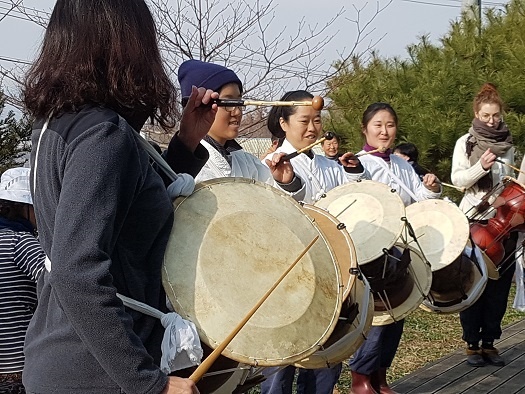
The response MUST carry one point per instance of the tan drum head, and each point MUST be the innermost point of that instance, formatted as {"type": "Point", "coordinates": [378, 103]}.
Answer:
{"type": "Point", "coordinates": [422, 278]}
{"type": "Point", "coordinates": [231, 240]}
{"type": "Point", "coordinates": [474, 289]}
{"type": "Point", "coordinates": [348, 335]}
{"type": "Point", "coordinates": [372, 213]}
{"type": "Point", "coordinates": [340, 241]}
{"type": "Point", "coordinates": [441, 228]}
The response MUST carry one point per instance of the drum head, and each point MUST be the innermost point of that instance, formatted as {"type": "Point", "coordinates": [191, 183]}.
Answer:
{"type": "Point", "coordinates": [372, 213]}
{"type": "Point", "coordinates": [348, 334]}
{"type": "Point", "coordinates": [231, 240]}
{"type": "Point", "coordinates": [441, 228]}
{"type": "Point", "coordinates": [422, 278]}
{"type": "Point", "coordinates": [340, 241]}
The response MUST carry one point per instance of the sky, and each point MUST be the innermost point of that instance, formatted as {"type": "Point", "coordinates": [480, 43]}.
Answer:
{"type": "Point", "coordinates": [401, 23]}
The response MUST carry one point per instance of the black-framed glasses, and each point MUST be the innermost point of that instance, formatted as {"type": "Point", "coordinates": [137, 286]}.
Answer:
{"type": "Point", "coordinates": [231, 109]}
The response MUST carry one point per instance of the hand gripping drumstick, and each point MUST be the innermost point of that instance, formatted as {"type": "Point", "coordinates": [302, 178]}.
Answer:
{"type": "Point", "coordinates": [327, 136]}
{"type": "Point", "coordinates": [381, 149]}
{"type": "Point", "coordinates": [511, 166]}
{"type": "Point", "coordinates": [208, 362]}
{"type": "Point", "coordinates": [461, 189]}
{"type": "Point", "coordinates": [317, 103]}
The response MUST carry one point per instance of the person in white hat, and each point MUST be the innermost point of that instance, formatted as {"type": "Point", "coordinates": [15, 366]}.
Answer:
{"type": "Point", "coordinates": [21, 261]}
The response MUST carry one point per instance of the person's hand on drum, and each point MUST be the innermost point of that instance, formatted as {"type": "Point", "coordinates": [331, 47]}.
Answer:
{"type": "Point", "coordinates": [282, 171]}
{"type": "Point", "coordinates": [197, 117]}
{"type": "Point", "coordinates": [487, 159]}
{"type": "Point", "coordinates": [349, 160]}
{"type": "Point", "coordinates": [431, 182]}
{"type": "Point", "coordinates": [178, 385]}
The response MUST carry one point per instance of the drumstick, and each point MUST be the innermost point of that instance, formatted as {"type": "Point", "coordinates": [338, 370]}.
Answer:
{"type": "Point", "coordinates": [381, 149]}
{"type": "Point", "coordinates": [327, 136]}
{"type": "Point", "coordinates": [461, 189]}
{"type": "Point", "coordinates": [509, 165]}
{"type": "Point", "coordinates": [208, 362]}
{"type": "Point", "coordinates": [317, 103]}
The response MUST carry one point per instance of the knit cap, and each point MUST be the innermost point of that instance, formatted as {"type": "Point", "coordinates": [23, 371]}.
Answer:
{"type": "Point", "coordinates": [203, 74]}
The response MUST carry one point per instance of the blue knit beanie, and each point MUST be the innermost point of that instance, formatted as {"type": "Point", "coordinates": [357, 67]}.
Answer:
{"type": "Point", "coordinates": [207, 75]}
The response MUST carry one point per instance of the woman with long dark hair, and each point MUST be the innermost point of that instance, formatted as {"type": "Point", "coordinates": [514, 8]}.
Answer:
{"type": "Point", "coordinates": [103, 213]}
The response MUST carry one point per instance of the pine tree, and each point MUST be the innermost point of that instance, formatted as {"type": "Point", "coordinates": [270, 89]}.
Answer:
{"type": "Point", "coordinates": [15, 138]}
{"type": "Point", "coordinates": [433, 88]}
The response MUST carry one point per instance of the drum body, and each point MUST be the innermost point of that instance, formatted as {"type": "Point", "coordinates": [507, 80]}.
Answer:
{"type": "Point", "coordinates": [231, 240]}
{"type": "Point", "coordinates": [509, 206]}
{"type": "Point", "coordinates": [442, 232]}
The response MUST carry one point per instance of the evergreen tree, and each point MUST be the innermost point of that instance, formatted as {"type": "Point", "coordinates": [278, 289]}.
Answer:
{"type": "Point", "coordinates": [433, 89]}
{"type": "Point", "coordinates": [15, 138]}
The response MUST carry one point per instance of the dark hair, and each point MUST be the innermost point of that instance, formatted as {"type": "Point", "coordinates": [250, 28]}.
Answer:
{"type": "Point", "coordinates": [100, 52]}
{"type": "Point", "coordinates": [373, 109]}
{"type": "Point", "coordinates": [488, 94]}
{"type": "Point", "coordinates": [335, 137]}
{"type": "Point", "coordinates": [11, 210]}
{"type": "Point", "coordinates": [408, 149]}
{"type": "Point", "coordinates": [276, 113]}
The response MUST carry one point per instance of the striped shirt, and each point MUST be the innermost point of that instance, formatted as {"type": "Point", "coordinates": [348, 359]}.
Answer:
{"type": "Point", "coordinates": [21, 261]}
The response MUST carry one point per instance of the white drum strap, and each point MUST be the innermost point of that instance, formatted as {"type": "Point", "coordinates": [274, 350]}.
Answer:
{"type": "Point", "coordinates": [47, 262]}
{"type": "Point", "coordinates": [396, 178]}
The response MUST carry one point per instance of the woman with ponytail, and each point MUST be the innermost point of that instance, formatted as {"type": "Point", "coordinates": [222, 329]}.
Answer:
{"type": "Point", "coordinates": [301, 126]}
{"type": "Point", "coordinates": [475, 168]}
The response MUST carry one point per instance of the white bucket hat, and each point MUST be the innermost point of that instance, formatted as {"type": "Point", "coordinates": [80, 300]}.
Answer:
{"type": "Point", "coordinates": [14, 185]}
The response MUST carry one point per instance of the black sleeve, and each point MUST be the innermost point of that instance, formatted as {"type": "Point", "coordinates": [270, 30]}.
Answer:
{"type": "Point", "coordinates": [182, 160]}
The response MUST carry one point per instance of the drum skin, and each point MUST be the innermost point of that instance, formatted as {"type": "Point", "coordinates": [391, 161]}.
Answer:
{"type": "Point", "coordinates": [340, 241]}
{"type": "Point", "coordinates": [231, 240]}
{"type": "Point", "coordinates": [372, 213]}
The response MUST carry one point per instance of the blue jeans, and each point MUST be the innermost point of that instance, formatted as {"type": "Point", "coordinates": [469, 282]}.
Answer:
{"type": "Point", "coordinates": [309, 381]}
{"type": "Point", "coordinates": [378, 350]}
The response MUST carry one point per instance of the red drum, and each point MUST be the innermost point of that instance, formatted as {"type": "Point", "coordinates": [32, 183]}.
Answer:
{"type": "Point", "coordinates": [510, 216]}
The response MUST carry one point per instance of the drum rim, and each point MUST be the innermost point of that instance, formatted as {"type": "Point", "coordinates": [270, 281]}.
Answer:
{"type": "Point", "coordinates": [212, 342]}
{"type": "Point", "coordinates": [348, 239]}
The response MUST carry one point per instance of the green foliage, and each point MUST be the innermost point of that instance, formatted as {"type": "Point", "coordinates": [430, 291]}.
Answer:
{"type": "Point", "coordinates": [433, 89]}
{"type": "Point", "coordinates": [15, 137]}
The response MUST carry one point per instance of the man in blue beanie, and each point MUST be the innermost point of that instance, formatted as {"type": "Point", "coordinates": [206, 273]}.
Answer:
{"type": "Point", "coordinates": [227, 158]}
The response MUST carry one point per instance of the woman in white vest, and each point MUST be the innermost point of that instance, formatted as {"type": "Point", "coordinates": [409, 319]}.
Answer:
{"type": "Point", "coordinates": [379, 126]}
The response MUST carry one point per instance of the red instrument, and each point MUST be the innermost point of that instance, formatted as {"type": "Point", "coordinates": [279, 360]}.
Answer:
{"type": "Point", "coordinates": [510, 216]}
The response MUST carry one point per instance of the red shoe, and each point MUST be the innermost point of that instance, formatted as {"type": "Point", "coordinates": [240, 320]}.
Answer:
{"type": "Point", "coordinates": [361, 384]}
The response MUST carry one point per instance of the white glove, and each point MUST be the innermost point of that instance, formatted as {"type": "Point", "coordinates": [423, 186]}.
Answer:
{"type": "Point", "coordinates": [182, 186]}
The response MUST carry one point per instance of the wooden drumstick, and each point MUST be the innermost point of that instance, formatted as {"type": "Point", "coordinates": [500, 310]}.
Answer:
{"type": "Point", "coordinates": [317, 103]}
{"type": "Point", "coordinates": [509, 165]}
{"type": "Point", "coordinates": [381, 149]}
{"type": "Point", "coordinates": [327, 136]}
{"type": "Point", "coordinates": [208, 362]}
{"type": "Point", "coordinates": [461, 189]}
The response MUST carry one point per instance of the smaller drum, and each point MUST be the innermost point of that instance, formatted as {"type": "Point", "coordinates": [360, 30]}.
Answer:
{"type": "Point", "coordinates": [231, 240]}
{"type": "Point", "coordinates": [442, 231]}
{"type": "Point", "coordinates": [372, 213]}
